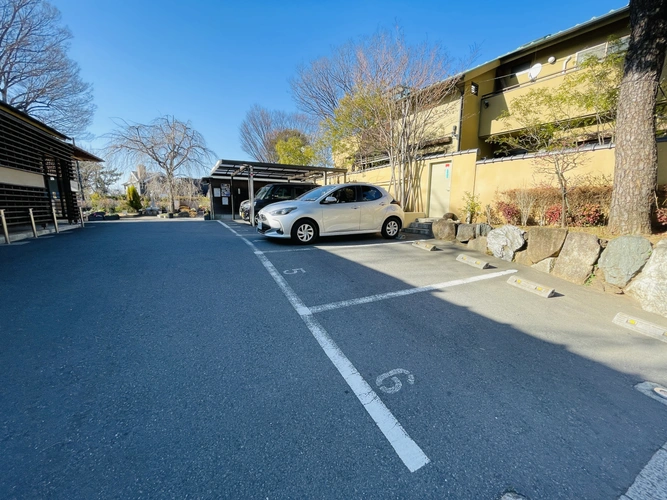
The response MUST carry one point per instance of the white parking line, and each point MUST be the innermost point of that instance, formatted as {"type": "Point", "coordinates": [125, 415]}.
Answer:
{"type": "Point", "coordinates": [290, 250]}
{"type": "Point", "coordinates": [408, 451]}
{"type": "Point", "coordinates": [364, 245]}
{"type": "Point", "coordinates": [409, 291]}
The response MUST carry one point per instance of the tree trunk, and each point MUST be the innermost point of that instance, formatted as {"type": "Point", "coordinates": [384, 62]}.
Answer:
{"type": "Point", "coordinates": [636, 168]}
{"type": "Point", "coordinates": [172, 197]}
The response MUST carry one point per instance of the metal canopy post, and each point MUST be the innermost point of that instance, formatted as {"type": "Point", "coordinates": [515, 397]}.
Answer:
{"type": "Point", "coordinates": [231, 192]}
{"type": "Point", "coordinates": [4, 226]}
{"type": "Point", "coordinates": [251, 192]}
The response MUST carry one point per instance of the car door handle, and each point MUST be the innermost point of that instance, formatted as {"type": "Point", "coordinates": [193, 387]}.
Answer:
{"type": "Point", "coordinates": [382, 204]}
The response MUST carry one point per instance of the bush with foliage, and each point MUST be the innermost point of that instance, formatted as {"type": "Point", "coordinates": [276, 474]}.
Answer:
{"type": "Point", "coordinates": [589, 201]}
{"type": "Point", "coordinates": [133, 198]}
{"type": "Point", "coordinates": [552, 215]}
{"type": "Point", "coordinates": [471, 206]}
{"type": "Point", "coordinates": [588, 215]}
{"type": "Point", "coordinates": [509, 212]}
{"type": "Point", "coordinates": [661, 206]}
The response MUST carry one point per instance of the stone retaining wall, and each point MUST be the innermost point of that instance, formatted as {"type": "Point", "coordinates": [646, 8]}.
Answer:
{"type": "Point", "coordinates": [627, 264]}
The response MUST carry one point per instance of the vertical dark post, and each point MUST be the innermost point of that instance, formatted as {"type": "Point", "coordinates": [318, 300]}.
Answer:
{"type": "Point", "coordinates": [4, 226]}
{"type": "Point", "coordinates": [32, 221]}
{"type": "Point", "coordinates": [55, 219]}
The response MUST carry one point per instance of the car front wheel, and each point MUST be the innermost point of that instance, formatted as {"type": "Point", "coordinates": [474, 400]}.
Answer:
{"type": "Point", "coordinates": [390, 228]}
{"type": "Point", "coordinates": [304, 231]}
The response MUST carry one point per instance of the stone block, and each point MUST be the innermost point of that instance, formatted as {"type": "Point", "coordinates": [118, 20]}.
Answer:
{"type": "Point", "coordinates": [444, 229]}
{"type": "Point", "coordinates": [478, 244]}
{"type": "Point", "coordinates": [545, 242]}
{"type": "Point", "coordinates": [465, 232]}
{"type": "Point", "coordinates": [623, 259]}
{"type": "Point", "coordinates": [482, 230]}
{"type": "Point", "coordinates": [546, 265]}
{"type": "Point", "coordinates": [522, 257]}
{"type": "Point", "coordinates": [575, 262]}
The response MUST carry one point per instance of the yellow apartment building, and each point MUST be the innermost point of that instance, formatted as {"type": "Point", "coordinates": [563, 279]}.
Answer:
{"type": "Point", "coordinates": [462, 161]}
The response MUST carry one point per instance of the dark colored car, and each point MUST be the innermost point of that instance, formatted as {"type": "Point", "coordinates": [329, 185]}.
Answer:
{"type": "Point", "coordinates": [271, 193]}
{"type": "Point", "coordinates": [96, 216]}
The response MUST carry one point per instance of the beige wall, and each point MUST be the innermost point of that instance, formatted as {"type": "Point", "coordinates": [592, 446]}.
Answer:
{"type": "Point", "coordinates": [486, 180]}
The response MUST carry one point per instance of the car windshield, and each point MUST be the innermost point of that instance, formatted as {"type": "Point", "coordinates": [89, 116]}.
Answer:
{"type": "Point", "coordinates": [262, 193]}
{"type": "Point", "coordinates": [316, 193]}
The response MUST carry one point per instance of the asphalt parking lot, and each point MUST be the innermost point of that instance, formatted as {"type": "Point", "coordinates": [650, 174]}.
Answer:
{"type": "Point", "coordinates": [352, 367]}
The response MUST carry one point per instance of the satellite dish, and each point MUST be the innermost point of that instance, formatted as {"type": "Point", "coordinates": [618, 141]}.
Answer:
{"type": "Point", "coordinates": [534, 71]}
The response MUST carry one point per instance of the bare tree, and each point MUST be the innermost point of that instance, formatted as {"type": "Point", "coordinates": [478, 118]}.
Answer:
{"type": "Point", "coordinates": [525, 200]}
{"type": "Point", "coordinates": [382, 98]}
{"type": "Point", "coordinates": [318, 87]}
{"type": "Point", "coordinates": [36, 75]}
{"type": "Point", "coordinates": [167, 145]}
{"type": "Point", "coordinates": [262, 128]}
{"type": "Point", "coordinates": [636, 168]}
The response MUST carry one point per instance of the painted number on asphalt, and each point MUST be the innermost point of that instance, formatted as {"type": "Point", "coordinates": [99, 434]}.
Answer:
{"type": "Point", "coordinates": [294, 271]}
{"type": "Point", "coordinates": [396, 382]}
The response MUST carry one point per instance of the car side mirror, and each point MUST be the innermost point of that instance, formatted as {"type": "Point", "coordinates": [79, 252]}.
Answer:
{"type": "Point", "coordinates": [330, 199]}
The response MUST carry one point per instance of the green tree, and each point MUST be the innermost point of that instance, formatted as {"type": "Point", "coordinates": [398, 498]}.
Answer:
{"type": "Point", "coordinates": [133, 198]}
{"type": "Point", "coordinates": [593, 90]}
{"type": "Point", "coordinates": [262, 129]}
{"type": "Point", "coordinates": [636, 168]}
{"type": "Point", "coordinates": [96, 178]}
{"type": "Point", "coordinates": [295, 150]}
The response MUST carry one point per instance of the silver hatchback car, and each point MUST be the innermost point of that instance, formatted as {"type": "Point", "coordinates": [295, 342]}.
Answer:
{"type": "Point", "coordinates": [337, 209]}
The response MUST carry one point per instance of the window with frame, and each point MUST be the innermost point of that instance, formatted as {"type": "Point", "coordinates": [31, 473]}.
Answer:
{"type": "Point", "coordinates": [345, 195]}
{"type": "Point", "coordinates": [281, 193]}
{"type": "Point", "coordinates": [369, 193]}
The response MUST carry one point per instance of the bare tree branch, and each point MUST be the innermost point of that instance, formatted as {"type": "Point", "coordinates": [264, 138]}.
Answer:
{"type": "Point", "coordinates": [261, 128]}
{"type": "Point", "coordinates": [36, 75]}
{"type": "Point", "coordinates": [165, 145]}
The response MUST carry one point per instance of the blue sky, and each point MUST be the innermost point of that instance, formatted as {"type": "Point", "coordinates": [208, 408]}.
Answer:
{"type": "Point", "coordinates": [209, 62]}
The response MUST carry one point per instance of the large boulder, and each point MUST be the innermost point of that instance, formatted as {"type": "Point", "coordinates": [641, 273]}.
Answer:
{"type": "Point", "coordinates": [478, 244]}
{"type": "Point", "coordinates": [444, 229]}
{"type": "Point", "coordinates": [504, 241]}
{"type": "Point", "coordinates": [545, 242]}
{"type": "Point", "coordinates": [546, 265]}
{"type": "Point", "coordinates": [575, 262]}
{"type": "Point", "coordinates": [650, 287]}
{"type": "Point", "coordinates": [450, 216]}
{"type": "Point", "coordinates": [623, 259]}
{"type": "Point", "coordinates": [465, 232]}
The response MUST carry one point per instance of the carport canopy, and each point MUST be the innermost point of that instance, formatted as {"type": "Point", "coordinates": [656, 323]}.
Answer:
{"type": "Point", "coordinates": [272, 172]}
{"type": "Point", "coordinates": [277, 172]}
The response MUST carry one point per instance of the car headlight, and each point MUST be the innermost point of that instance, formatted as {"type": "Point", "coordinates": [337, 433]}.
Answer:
{"type": "Point", "coordinates": [282, 211]}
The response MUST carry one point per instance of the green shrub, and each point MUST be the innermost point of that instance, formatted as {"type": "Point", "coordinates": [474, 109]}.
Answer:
{"type": "Point", "coordinates": [133, 198]}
